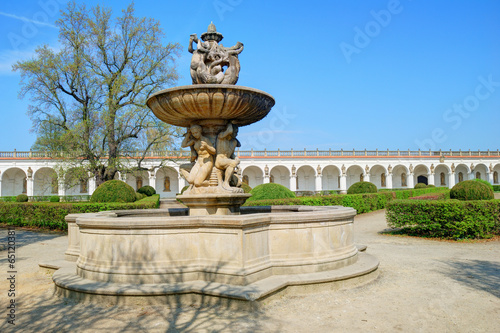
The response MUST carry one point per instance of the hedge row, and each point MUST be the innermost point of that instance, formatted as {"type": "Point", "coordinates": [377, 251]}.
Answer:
{"type": "Point", "coordinates": [496, 188]}
{"type": "Point", "coordinates": [363, 203]}
{"type": "Point", "coordinates": [46, 198]}
{"type": "Point", "coordinates": [433, 196]}
{"type": "Point", "coordinates": [449, 219]}
{"type": "Point", "coordinates": [51, 215]}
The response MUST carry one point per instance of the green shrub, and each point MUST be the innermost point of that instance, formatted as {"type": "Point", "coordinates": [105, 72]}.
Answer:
{"type": "Point", "coordinates": [51, 215]}
{"type": "Point", "coordinates": [420, 185]}
{"type": "Point", "coordinates": [113, 191]}
{"type": "Point", "coordinates": [471, 190]}
{"type": "Point", "coordinates": [54, 198]}
{"type": "Point", "coordinates": [445, 218]}
{"type": "Point", "coordinates": [270, 191]}
{"type": "Point", "coordinates": [139, 196]}
{"type": "Point", "coordinates": [22, 198]}
{"type": "Point", "coordinates": [496, 188]}
{"type": "Point", "coordinates": [246, 187]}
{"type": "Point", "coordinates": [147, 190]}
{"type": "Point", "coordinates": [362, 187]}
{"type": "Point", "coordinates": [430, 185]}
{"type": "Point", "coordinates": [485, 183]}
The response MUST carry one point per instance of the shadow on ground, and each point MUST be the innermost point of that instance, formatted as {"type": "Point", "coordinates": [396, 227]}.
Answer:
{"type": "Point", "coordinates": [26, 237]}
{"type": "Point", "coordinates": [477, 274]}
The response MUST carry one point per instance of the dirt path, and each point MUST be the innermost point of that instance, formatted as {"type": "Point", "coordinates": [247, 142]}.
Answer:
{"type": "Point", "coordinates": [424, 286]}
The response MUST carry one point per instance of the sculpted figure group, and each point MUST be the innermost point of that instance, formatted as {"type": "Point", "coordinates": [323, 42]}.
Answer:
{"type": "Point", "coordinates": [205, 156]}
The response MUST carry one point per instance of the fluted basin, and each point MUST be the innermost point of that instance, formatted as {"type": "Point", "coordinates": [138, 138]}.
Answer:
{"type": "Point", "coordinates": [187, 105]}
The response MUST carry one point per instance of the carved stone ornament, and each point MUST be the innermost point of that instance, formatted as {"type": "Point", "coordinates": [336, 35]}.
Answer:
{"type": "Point", "coordinates": [318, 169]}
{"type": "Point", "coordinates": [389, 169]}
{"type": "Point", "coordinates": [293, 170]}
{"type": "Point", "coordinates": [343, 169]}
{"type": "Point", "coordinates": [30, 172]}
{"type": "Point", "coordinates": [452, 167]}
{"type": "Point", "coordinates": [491, 167]}
{"type": "Point", "coordinates": [411, 168]}
{"type": "Point", "coordinates": [471, 167]}
{"type": "Point", "coordinates": [432, 168]}
{"type": "Point", "coordinates": [212, 62]}
{"type": "Point", "coordinates": [266, 171]}
{"type": "Point", "coordinates": [367, 169]}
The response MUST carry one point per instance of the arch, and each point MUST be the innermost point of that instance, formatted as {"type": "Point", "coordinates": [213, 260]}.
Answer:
{"type": "Point", "coordinates": [397, 176]}
{"type": "Point", "coordinates": [137, 178]}
{"type": "Point", "coordinates": [376, 177]}
{"type": "Point", "coordinates": [330, 178]}
{"type": "Point", "coordinates": [167, 182]}
{"type": "Point", "coordinates": [76, 181]}
{"type": "Point", "coordinates": [420, 174]}
{"type": "Point", "coordinates": [306, 178]}
{"type": "Point", "coordinates": [13, 182]}
{"type": "Point", "coordinates": [441, 175]}
{"type": "Point", "coordinates": [480, 172]}
{"type": "Point", "coordinates": [255, 175]}
{"type": "Point", "coordinates": [45, 182]}
{"type": "Point", "coordinates": [280, 175]}
{"type": "Point", "coordinates": [495, 177]}
{"type": "Point", "coordinates": [353, 174]}
{"type": "Point", "coordinates": [461, 173]}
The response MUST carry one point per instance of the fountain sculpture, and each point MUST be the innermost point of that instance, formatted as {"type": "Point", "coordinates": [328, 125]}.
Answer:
{"type": "Point", "coordinates": [213, 251]}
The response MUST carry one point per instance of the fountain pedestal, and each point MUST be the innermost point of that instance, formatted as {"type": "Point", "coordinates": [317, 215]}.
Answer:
{"type": "Point", "coordinates": [214, 204]}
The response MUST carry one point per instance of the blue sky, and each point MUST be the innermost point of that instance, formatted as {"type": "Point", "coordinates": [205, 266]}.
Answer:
{"type": "Point", "coordinates": [345, 74]}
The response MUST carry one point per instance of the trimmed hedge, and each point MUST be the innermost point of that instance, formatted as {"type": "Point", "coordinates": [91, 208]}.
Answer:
{"type": "Point", "coordinates": [484, 182]}
{"type": "Point", "coordinates": [147, 190]}
{"type": "Point", "coordinates": [270, 191]}
{"type": "Point", "coordinates": [496, 188]}
{"type": "Point", "coordinates": [113, 191]}
{"type": "Point", "coordinates": [362, 187]}
{"type": "Point", "coordinates": [420, 185]}
{"type": "Point", "coordinates": [471, 190]}
{"type": "Point", "coordinates": [246, 187]}
{"type": "Point", "coordinates": [449, 218]}
{"type": "Point", "coordinates": [432, 196]}
{"type": "Point", "coordinates": [22, 198]}
{"type": "Point", "coordinates": [51, 215]}
{"type": "Point", "coordinates": [363, 203]}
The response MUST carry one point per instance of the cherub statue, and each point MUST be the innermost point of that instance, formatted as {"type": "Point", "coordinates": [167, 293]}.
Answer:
{"type": "Point", "coordinates": [225, 160]}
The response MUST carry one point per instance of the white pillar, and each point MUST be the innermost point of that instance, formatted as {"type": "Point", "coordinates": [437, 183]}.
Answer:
{"type": "Point", "coordinates": [92, 185]}
{"type": "Point", "coordinates": [366, 177]}
{"type": "Point", "coordinates": [451, 179]}
{"type": "Point", "coordinates": [490, 177]}
{"type": "Point", "coordinates": [61, 189]}
{"type": "Point", "coordinates": [29, 186]}
{"type": "Point", "coordinates": [293, 183]}
{"type": "Point", "coordinates": [343, 184]}
{"type": "Point", "coordinates": [266, 179]}
{"type": "Point", "coordinates": [152, 180]}
{"type": "Point", "coordinates": [409, 181]}
{"type": "Point", "coordinates": [430, 179]}
{"type": "Point", "coordinates": [182, 182]}
{"type": "Point", "coordinates": [319, 184]}
{"type": "Point", "coordinates": [388, 181]}
{"type": "Point", "coordinates": [0, 186]}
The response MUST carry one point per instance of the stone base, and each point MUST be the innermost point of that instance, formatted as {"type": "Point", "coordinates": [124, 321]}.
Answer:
{"type": "Point", "coordinates": [203, 293]}
{"type": "Point", "coordinates": [214, 204]}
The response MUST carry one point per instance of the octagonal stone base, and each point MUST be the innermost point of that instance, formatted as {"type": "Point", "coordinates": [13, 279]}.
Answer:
{"type": "Point", "coordinates": [214, 204]}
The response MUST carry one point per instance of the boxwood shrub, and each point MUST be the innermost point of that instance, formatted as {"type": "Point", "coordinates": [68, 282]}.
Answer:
{"type": "Point", "coordinates": [362, 187]}
{"type": "Point", "coordinates": [445, 218]}
{"type": "Point", "coordinates": [113, 191]}
{"type": "Point", "coordinates": [420, 185]}
{"type": "Point", "coordinates": [270, 191]}
{"type": "Point", "coordinates": [51, 215]}
{"type": "Point", "coordinates": [147, 190]}
{"type": "Point", "coordinates": [471, 190]}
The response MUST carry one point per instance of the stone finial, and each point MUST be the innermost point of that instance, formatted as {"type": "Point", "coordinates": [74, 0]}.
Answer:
{"type": "Point", "coordinates": [211, 34]}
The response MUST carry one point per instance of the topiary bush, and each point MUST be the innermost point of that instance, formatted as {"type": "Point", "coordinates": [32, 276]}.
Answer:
{"type": "Point", "coordinates": [270, 191]}
{"type": "Point", "coordinates": [147, 190]}
{"type": "Point", "coordinates": [471, 190]}
{"type": "Point", "coordinates": [113, 191]}
{"type": "Point", "coordinates": [246, 188]}
{"type": "Point", "coordinates": [139, 196]}
{"type": "Point", "coordinates": [420, 185]}
{"type": "Point", "coordinates": [54, 198]}
{"type": "Point", "coordinates": [22, 198]}
{"type": "Point", "coordinates": [485, 183]}
{"type": "Point", "coordinates": [430, 185]}
{"type": "Point", "coordinates": [362, 187]}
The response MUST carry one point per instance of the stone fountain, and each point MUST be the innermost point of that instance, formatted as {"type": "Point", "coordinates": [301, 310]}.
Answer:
{"type": "Point", "coordinates": [214, 251]}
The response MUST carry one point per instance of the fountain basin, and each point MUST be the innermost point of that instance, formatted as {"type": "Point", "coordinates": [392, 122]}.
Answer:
{"type": "Point", "coordinates": [210, 103]}
{"type": "Point", "coordinates": [245, 257]}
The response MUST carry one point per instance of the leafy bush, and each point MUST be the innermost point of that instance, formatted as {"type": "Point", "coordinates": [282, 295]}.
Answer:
{"type": "Point", "coordinates": [420, 185]}
{"type": "Point", "coordinates": [113, 191]}
{"type": "Point", "coordinates": [22, 198]}
{"type": "Point", "coordinates": [471, 190]}
{"type": "Point", "coordinates": [496, 188]}
{"type": "Point", "coordinates": [139, 196]}
{"type": "Point", "coordinates": [430, 185]}
{"type": "Point", "coordinates": [270, 191]}
{"type": "Point", "coordinates": [51, 215]}
{"type": "Point", "coordinates": [246, 187]}
{"type": "Point", "coordinates": [433, 196]}
{"type": "Point", "coordinates": [362, 187]}
{"type": "Point", "coordinates": [448, 218]}
{"type": "Point", "coordinates": [485, 183]}
{"type": "Point", "coordinates": [54, 198]}
{"type": "Point", "coordinates": [147, 190]}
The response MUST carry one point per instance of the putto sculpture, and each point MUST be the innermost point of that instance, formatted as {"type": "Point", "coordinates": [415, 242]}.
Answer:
{"type": "Point", "coordinates": [211, 61]}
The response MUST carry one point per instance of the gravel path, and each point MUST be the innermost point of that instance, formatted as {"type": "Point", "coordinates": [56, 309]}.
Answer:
{"type": "Point", "coordinates": [424, 286]}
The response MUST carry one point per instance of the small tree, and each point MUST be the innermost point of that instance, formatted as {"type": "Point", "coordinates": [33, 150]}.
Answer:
{"type": "Point", "coordinates": [88, 98]}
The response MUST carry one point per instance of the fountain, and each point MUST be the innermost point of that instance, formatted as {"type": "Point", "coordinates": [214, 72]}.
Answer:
{"type": "Point", "coordinates": [215, 251]}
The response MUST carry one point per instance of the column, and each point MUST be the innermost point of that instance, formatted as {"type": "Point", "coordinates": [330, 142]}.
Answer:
{"type": "Point", "coordinates": [152, 179]}
{"type": "Point", "coordinates": [266, 179]}
{"type": "Point", "coordinates": [182, 182]}
{"type": "Point", "coordinates": [61, 191]}
{"type": "Point", "coordinates": [0, 186]}
{"type": "Point", "coordinates": [430, 179]}
{"type": "Point", "coordinates": [388, 181]}
{"type": "Point", "coordinates": [293, 183]}
{"type": "Point", "coordinates": [92, 184]}
{"type": "Point", "coordinates": [490, 177]}
{"type": "Point", "coordinates": [29, 187]}
{"type": "Point", "coordinates": [451, 179]}
{"type": "Point", "coordinates": [343, 184]}
{"type": "Point", "coordinates": [319, 183]}
{"type": "Point", "coordinates": [366, 177]}
{"type": "Point", "coordinates": [409, 181]}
